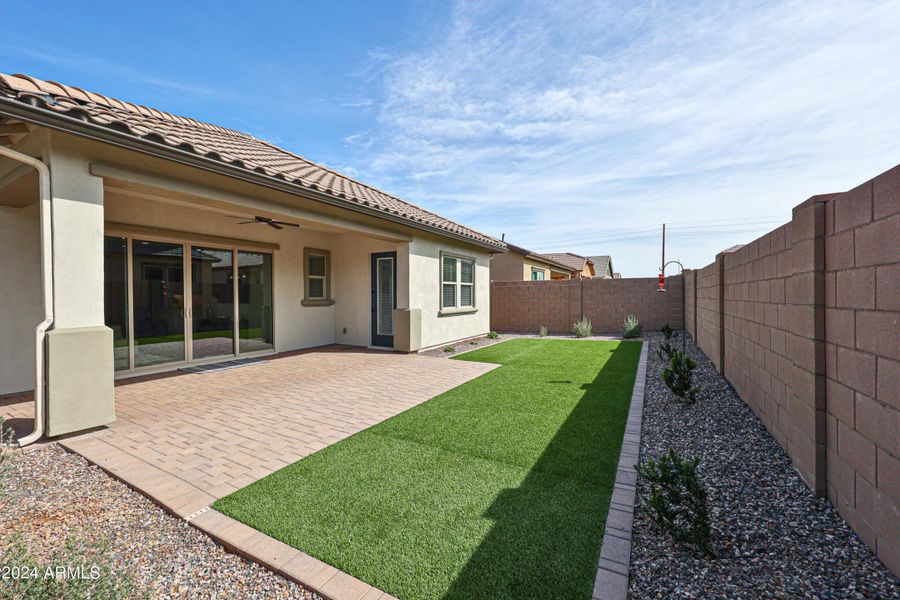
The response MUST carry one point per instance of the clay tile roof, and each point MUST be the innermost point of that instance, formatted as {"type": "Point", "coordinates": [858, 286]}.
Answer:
{"type": "Point", "coordinates": [222, 144]}
{"type": "Point", "coordinates": [601, 264]}
{"type": "Point", "coordinates": [573, 261]}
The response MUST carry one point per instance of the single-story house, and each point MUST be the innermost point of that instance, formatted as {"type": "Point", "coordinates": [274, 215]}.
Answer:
{"type": "Point", "coordinates": [603, 268]}
{"type": "Point", "coordinates": [582, 267]}
{"type": "Point", "coordinates": [136, 241]}
{"type": "Point", "coordinates": [520, 264]}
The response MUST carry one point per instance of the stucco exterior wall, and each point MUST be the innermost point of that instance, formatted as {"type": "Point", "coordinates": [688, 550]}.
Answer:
{"type": "Point", "coordinates": [424, 291]}
{"type": "Point", "coordinates": [20, 296]}
{"type": "Point", "coordinates": [352, 287]}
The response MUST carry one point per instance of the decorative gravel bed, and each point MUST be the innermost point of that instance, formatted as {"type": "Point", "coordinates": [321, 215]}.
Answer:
{"type": "Point", "coordinates": [774, 538]}
{"type": "Point", "coordinates": [467, 345]}
{"type": "Point", "coordinates": [52, 496]}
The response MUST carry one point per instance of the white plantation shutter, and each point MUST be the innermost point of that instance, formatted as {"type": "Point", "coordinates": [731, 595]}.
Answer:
{"type": "Point", "coordinates": [457, 282]}
{"type": "Point", "coordinates": [385, 299]}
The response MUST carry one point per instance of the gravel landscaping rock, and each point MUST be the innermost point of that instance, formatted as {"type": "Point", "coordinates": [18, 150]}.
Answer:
{"type": "Point", "coordinates": [774, 537]}
{"type": "Point", "coordinates": [52, 495]}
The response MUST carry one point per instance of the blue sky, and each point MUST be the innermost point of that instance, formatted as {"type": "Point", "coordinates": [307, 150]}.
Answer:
{"type": "Point", "coordinates": [578, 126]}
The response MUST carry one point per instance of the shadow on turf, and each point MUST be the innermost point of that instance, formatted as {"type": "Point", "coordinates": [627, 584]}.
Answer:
{"type": "Point", "coordinates": [558, 544]}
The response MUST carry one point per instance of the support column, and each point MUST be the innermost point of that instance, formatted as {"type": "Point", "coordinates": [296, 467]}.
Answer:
{"type": "Point", "coordinates": [80, 346]}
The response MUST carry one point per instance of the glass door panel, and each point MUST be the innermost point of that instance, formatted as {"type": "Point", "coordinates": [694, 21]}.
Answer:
{"type": "Point", "coordinates": [158, 275]}
{"type": "Point", "coordinates": [212, 304]}
{"type": "Point", "coordinates": [115, 297]}
{"type": "Point", "coordinates": [254, 288]}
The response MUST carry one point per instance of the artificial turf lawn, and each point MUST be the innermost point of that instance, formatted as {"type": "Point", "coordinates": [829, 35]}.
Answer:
{"type": "Point", "coordinates": [497, 489]}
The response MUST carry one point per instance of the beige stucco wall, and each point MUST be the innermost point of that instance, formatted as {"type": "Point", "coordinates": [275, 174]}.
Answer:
{"type": "Point", "coordinates": [424, 291]}
{"type": "Point", "coordinates": [530, 264]}
{"type": "Point", "coordinates": [20, 296]}
{"type": "Point", "coordinates": [352, 288]}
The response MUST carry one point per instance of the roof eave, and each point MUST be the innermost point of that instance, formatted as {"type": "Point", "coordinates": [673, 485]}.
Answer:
{"type": "Point", "coordinates": [46, 118]}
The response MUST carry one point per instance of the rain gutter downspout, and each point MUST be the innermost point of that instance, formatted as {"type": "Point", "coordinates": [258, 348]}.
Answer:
{"type": "Point", "coordinates": [46, 290]}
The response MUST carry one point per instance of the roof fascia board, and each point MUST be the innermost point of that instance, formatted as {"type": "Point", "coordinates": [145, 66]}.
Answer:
{"type": "Point", "coordinates": [46, 118]}
{"type": "Point", "coordinates": [184, 187]}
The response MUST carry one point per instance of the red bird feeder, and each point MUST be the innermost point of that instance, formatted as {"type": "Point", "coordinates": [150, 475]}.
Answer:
{"type": "Point", "coordinates": [662, 283]}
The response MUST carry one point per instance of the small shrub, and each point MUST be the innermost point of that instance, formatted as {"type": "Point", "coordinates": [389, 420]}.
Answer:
{"type": "Point", "coordinates": [679, 376]}
{"type": "Point", "coordinates": [667, 332]}
{"type": "Point", "coordinates": [632, 328]}
{"type": "Point", "coordinates": [493, 335]}
{"type": "Point", "coordinates": [582, 328]}
{"type": "Point", "coordinates": [449, 349]}
{"type": "Point", "coordinates": [678, 501]}
{"type": "Point", "coordinates": [665, 351]}
{"type": "Point", "coordinates": [543, 331]}
{"type": "Point", "coordinates": [473, 343]}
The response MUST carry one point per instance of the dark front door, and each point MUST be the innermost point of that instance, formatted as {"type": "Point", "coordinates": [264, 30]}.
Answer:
{"type": "Point", "coordinates": [384, 298]}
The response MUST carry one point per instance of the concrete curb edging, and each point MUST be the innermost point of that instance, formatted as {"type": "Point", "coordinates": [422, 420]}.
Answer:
{"type": "Point", "coordinates": [611, 582]}
{"type": "Point", "coordinates": [319, 577]}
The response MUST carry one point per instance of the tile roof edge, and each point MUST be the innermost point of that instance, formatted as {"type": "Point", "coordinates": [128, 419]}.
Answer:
{"type": "Point", "coordinates": [35, 97]}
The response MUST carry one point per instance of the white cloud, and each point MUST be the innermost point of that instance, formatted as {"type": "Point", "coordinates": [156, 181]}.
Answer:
{"type": "Point", "coordinates": [574, 121]}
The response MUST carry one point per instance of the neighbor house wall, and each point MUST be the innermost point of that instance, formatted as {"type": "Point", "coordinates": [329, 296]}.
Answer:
{"type": "Point", "coordinates": [811, 332]}
{"type": "Point", "coordinates": [507, 266]}
{"type": "Point", "coordinates": [21, 307]}
{"type": "Point", "coordinates": [524, 306]}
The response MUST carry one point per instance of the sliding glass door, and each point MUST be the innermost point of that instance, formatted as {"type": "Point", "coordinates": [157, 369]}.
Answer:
{"type": "Point", "coordinates": [212, 302]}
{"type": "Point", "coordinates": [159, 302]}
{"type": "Point", "coordinates": [255, 297]}
{"type": "Point", "coordinates": [166, 307]}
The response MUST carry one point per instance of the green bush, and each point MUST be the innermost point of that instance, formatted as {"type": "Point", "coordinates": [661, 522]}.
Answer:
{"type": "Point", "coordinates": [582, 328]}
{"type": "Point", "coordinates": [543, 331]}
{"type": "Point", "coordinates": [632, 328]}
{"type": "Point", "coordinates": [678, 501]}
{"type": "Point", "coordinates": [667, 332]}
{"type": "Point", "coordinates": [493, 335]}
{"type": "Point", "coordinates": [679, 376]}
{"type": "Point", "coordinates": [449, 349]}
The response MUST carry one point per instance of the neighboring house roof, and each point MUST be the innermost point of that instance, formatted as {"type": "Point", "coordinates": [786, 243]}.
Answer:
{"type": "Point", "coordinates": [573, 261]}
{"type": "Point", "coordinates": [617, 276]}
{"type": "Point", "coordinates": [536, 256]}
{"type": "Point", "coordinates": [602, 265]}
{"type": "Point", "coordinates": [72, 109]}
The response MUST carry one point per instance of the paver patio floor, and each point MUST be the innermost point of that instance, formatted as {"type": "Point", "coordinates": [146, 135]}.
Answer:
{"type": "Point", "coordinates": [188, 439]}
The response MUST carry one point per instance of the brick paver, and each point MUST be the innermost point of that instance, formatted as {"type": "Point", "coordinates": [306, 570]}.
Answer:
{"type": "Point", "coordinates": [186, 440]}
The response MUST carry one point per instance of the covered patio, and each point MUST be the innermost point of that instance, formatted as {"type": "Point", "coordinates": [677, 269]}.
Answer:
{"type": "Point", "coordinates": [187, 439]}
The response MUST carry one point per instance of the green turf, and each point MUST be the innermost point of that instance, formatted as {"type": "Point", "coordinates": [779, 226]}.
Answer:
{"type": "Point", "coordinates": [497, 489]}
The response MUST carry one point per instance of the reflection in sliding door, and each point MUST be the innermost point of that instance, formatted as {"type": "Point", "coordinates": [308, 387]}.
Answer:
{"type": "Point", "coordinates": [255, 300]}
{"type": "Point", "coordinates": [158, 274]}
{"type": "Point", "coordinates": [115, 296]}
{"type": "Point", "coordinates": [212, 312]}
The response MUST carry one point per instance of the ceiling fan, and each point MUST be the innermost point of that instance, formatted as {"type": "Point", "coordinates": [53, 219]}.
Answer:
{"type": "Point", "coordinates": [273, 223]}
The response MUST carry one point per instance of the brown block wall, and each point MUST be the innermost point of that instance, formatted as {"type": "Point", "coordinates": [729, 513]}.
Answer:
{"type": "Point", "coordinates": [523, 306]}
{"type": "Point", "coordinates": [862, 360]}
{"type": "Point", "coordinates": [803, 322]}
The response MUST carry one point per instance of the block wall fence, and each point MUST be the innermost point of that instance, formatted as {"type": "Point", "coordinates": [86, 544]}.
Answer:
{"type": "Point", "coordinates": [523, 306]}
{"type": "Point", "coordinates": [803, 322]}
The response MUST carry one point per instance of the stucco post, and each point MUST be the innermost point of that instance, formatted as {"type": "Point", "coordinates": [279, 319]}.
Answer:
{"type": "Point", "coordinates": [79, 347]}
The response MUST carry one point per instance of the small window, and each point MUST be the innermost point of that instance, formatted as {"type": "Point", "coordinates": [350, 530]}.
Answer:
{"type": "Point", "coordinates": [537, 274]}
{"type": "Point", "coordinates": [317, 283]}
{"type": "Point", "coordinates": [457, 282]}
